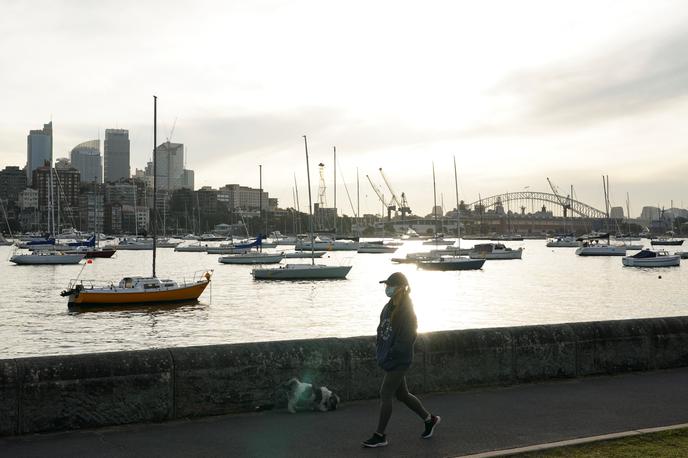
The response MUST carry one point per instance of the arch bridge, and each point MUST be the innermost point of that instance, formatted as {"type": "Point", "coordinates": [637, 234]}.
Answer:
{"type": "Point", "coordinates": [523, 198]}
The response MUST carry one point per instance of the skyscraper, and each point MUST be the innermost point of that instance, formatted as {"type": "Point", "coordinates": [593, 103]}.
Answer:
{"type": "Point", "coordinates": [39, 149]}
{"type": "Point", "coordinates": [87, 160]}
{"type": "Point", "coordinates": [116, 152]}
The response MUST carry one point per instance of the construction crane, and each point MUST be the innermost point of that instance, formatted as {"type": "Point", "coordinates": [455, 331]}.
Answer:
{"type": "Point", "coordinates": [390, 208]}
{"type": "Point", "coordinates": [401, 205]}
{"type": "Point", "coordinates": [565, 203]}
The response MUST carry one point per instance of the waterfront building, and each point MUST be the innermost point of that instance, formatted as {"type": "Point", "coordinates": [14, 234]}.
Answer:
{"type": "Point", "coordinates": [112, 219]}
{"type": "Point", "coordinates": [91, 210]}
{"type": "Point", "coordinates": [235, 196]}
{"type": "Point", "coordinates": [28, 198]}
{"type": "Point", "coordinates": [29, 218]}
{"type": "Point", "coordinates": [116, 155]}
{"type": "Point", "coordinates": [39, 149]}
{"type": "Point", "coordinates": [12, 182]}
{"type": "Point", "coordinates": [86, 158]}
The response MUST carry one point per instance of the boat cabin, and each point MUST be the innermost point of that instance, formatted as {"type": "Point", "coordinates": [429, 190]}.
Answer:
{"type": "Point", "coordinates": [145, 283]}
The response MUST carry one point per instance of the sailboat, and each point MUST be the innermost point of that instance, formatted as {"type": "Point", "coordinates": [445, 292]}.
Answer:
{"type": "Point", "coordinates": [593, 245]}
{"type": "Point", "coordinates": [444, 263]}
{"type": "Point", "coordinates": [310, 271]}
{"type": "Point", "coordinates": [137, 290]}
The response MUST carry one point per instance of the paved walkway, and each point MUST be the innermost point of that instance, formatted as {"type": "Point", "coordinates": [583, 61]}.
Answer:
{"type": "Point", "coordinates": [472, 422]}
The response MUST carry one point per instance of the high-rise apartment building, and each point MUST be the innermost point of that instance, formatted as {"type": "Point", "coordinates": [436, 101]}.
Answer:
{"type": "Point", "coordinates": [12, 182]}
{"type": "Point", "coordinates": [171, 174]}
{"type": "Point", "coordinates": [39, 149]}
{"type": "Point", "coordinates": [87, 160]}
{"type": "Point", "coordinates": [242, 197]}
{"type": "Point", "coordinates": [116, 155]}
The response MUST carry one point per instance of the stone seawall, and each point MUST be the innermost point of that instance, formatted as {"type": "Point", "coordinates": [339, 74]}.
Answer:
{"type": "Point", "coordinates": [84, 391]}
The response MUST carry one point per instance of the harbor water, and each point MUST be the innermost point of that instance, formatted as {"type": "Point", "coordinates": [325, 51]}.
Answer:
{"type": "Point", "coordinates": [549, 285]}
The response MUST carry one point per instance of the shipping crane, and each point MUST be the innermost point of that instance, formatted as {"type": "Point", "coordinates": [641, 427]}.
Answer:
{"type": "Point", "coordinates": [401, 205]}
{"type": "Point", "coordinates": [565, 203]}
{"type": "Point", "coordinates": [390, 208]}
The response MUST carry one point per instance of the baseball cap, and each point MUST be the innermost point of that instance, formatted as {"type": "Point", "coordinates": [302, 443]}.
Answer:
{"type": "Point", "coordinates": [396, 279]}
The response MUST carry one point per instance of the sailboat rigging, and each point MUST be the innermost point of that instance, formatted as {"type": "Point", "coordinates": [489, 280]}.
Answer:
{"type": "Point", "coordinates": [135, 290]}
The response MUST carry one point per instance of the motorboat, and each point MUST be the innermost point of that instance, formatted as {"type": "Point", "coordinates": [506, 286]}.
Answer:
{"type": "Point", "coordinates": [251, 258]}
{"type": "Point", "coordinates": [302, 272]}
{"type": "Point", "coordinates": [46, 257]}
{"type": "Point", "coordinates": [566, 241]}
{"type": "Point", "coordinates": [682, 254]}
{"type": "Point", "coordinates": [651, 258]}
{"type": "Point", "coordinates": [445, 263]}
{"type": "Point", "coordinates": [495, 251]}
{"type": "Point", "coordinates": [135, 291]}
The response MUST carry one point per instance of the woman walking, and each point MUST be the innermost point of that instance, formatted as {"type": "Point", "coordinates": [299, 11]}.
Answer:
{"type": "Point", "coordinates": [396, 335]}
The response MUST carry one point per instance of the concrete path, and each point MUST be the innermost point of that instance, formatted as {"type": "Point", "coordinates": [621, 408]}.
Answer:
{"type": "Point", "coordinates": [472, 422]}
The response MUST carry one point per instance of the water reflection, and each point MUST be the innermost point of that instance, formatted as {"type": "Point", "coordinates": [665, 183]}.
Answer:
{"type": "Point", "coordinates": [546, 286]}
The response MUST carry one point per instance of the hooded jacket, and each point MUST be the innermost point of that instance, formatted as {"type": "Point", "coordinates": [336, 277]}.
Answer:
{"type": "Point", "coordinates": [396, 336]}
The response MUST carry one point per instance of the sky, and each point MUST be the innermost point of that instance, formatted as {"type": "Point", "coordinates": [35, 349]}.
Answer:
{"type": "Point", "coordinates": [515, 91]}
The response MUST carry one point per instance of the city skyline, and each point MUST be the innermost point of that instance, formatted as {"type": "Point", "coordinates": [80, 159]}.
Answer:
{"type": "Point", "coordinates": [569, 93]}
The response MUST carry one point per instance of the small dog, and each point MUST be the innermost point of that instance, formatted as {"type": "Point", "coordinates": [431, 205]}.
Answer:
{"type": "Point", "coordinates": [308, 396]}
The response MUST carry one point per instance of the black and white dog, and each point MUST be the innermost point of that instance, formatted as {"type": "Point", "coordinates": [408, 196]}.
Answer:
{"type": "Point", "coordinates": [303, 395]}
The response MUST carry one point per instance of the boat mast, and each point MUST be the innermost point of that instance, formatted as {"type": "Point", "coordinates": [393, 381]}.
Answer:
{"type": "Point", "coordinates": [434, 201]}
{"type": "Point", "coordinates": [458, 223]}
{"type": "Point", "coordinates": [335, 192]}
{"type": "Point", "coordinates": [358, 204]}
{"type": "Point", "coordinates": [310, 201]}
{"type": "Point", "coordinates": [298, 206]}
{"type": "Point", "coordinates": [155, 176]}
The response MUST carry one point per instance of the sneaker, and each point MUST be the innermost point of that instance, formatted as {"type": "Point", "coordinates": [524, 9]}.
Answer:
{"type": "Point", "coordinates": [430, 426]}
{"type": "Point", "coordinates": [376, 440]}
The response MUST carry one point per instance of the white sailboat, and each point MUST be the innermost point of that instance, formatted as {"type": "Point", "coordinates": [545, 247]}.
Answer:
{"type": "Point", "coordinates": [251, 257]}
{"type": "Point", "coordinates": [456, 261]}
{"type": "Point", "coordinates": [311, 271]}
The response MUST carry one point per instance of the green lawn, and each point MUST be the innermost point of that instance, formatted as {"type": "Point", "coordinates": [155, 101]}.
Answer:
{"type": "Point", "coordinates": [672, 443]}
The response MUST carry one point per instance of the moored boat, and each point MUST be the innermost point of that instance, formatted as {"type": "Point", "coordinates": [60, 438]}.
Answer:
{"type": "Point", "coordinates": [302, 272]}
{"type": "Point", "coordinates": [495, 251]}
{"type": "Point", "coordinates": [135, 291]}
{"type": "Point", "coordinates": [45, 257]}
{"type": "Point", "coordinates": [251, 258]}
{"type": "Point", "coordinates": [445, 263]}
{"type": "Point", "coordinates": [651, 258]}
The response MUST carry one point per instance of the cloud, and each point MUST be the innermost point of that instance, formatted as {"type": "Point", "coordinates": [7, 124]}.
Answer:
{"type": "Point", "coordinates": [638, 77]}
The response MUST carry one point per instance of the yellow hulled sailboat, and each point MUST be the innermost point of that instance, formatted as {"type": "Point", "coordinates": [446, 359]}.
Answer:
{"type": "Point", "coordinates": [139, 290]}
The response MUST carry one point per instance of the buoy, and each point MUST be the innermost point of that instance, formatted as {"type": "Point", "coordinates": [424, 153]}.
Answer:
{"type": "Point", "coordinates": [660, 277]}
